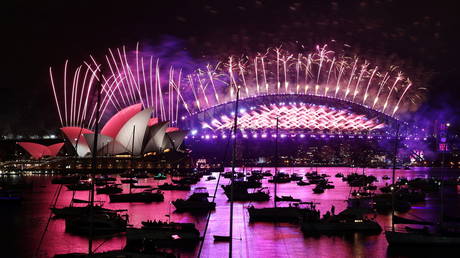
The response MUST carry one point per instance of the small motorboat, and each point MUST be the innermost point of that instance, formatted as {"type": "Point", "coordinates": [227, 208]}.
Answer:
{"type": "Point", "coordinates": [301, 182]}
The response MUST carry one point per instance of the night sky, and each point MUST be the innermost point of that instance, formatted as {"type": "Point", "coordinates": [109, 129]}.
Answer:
{"type": "Point", "coordinates": [420, 36]}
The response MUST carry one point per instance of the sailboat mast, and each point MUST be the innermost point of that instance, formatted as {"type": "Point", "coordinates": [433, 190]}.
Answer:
{"type": "Point", "coordinates": [393, 179]}
{"type": "Point", "coordinates": [443, 153]}
{"type": "Point", "coordinates": [276, 160]}
{"type": "Point", "coordinates": [132, 159]}
{"type": "Point", "coordinates": [94, 166]}
{"type": "Point", "coordinates": [232, 178]}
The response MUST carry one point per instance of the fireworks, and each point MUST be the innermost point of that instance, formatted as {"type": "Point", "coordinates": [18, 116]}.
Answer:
{"type": "Point", "coordinates": [320, 73]}
{"type": "Point", "coordinates": [128, 78]}
{"type": "Point", "coordinates": [292, 117]}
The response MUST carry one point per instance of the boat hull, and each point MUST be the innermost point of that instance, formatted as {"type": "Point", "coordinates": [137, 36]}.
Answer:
{"type": "Point", "coordinates": [280, 214]}
{"type": "Point", "coordinates": [187, 205]}
{"type": "Point", "coordinates": [402, 238]}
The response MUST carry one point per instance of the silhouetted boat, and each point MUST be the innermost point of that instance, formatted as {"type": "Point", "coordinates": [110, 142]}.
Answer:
{"type": "Point", "coordinates": [109, 189]}
{"type": "Point", "coordinates": [294, 213]}
{"type": "Point", "coordinates": [383, 204]}
{"type": "Point", "coordinates": [72, 211]}
{"type": "Point", "coordinates": [359, 180]}
{"type": "Point", "coordinates": [168, 186]}
{"type": "Point", "coordinates": [318, 189]}
{"type": "Point", "coordinates": [280, 178]}
{"type": "Point", "coordinates": [437, 236]}
{"type": "Point", "coordinates": [145, 196]}
{"type": "Point", "coordinates": [286, 199]}
{"type": "Point", "coordinates": [349, 220]}
{"type": "Point", "coordinates": [267, 173]}
{"type": "Point", "coordinates": [198, 201]}
{"type": "Point", "coordinates": [164, 234]}
{"type": "Point", "coordinates": [301, 182]}
{"type": "Point", "coordinates": [360, 193]}
{"type": "Point", "coordinates": [82, 186]}
{"type": "Point", "coordinates": [422, 238]}
{"type": "Point", "coordinates": [101, 181]}
{"type": "Point", "coordinates": [128, 181]}
{"type": "Point", "coordinates": [102, 224]}
{"type": "Point", "coordinates": [242, 194]}
{"type": "Point", "coordinates": [364, 203]}
{"type": "Point", "coordinates": [295, 177]}
{"type": "Point", "coordinates": [370, 187]}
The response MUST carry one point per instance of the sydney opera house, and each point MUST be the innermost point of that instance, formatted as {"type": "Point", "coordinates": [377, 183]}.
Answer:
{"type": "Point", "coordinates": [131, 131]}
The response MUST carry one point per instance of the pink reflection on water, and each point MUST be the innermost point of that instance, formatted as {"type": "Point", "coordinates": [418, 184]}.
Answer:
{"type": "Point", "coordinates": [251, 239]}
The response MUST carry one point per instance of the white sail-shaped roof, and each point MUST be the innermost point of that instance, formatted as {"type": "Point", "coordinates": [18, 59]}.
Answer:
{"type": "Point", "coordinates": [136, 126]}
{"type": "Point", "coordinates": [155, 137]}
{"type": "Point", "coordinates": [113, 148]}
{"type": "Point", "coordinates": [75, 135]}
{"type": "Point", "coordinates": [173, 140]}
{"type": "Point", "coordinates": [102, 141]}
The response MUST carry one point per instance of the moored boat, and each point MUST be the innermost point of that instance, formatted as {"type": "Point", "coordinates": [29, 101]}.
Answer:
{"type": "Point", "coordinates": [99, 224]}
{"type": "Point", "coordinates": [109, 189]}
{"type": "Point", "coordinates": [349, 220]}
{"type": "Point", "coordinates": [129, 181]}
{"type": "Point", "coordinates": [145, 196]}
{"type": "Point", "coordinates": [165, 234]}
{"type": "Point", "coordinates": [198, 201]}
{"type": "Point", "coordinates": [242, 194]}
{"type": "Point", "coordinates": [285, 198]}
{"type": "Point", "coordinates": [301, 183]}
{"type": "Point", "coordinates": [294, 213]}
{"type": "Point", "coordinates": [421, 238]}
{"type": "Point", "coordinates": [168, 186]}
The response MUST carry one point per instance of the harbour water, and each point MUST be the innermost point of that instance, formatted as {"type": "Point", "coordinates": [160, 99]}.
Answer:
{"type": "Point", "coordinates": [23, 225]}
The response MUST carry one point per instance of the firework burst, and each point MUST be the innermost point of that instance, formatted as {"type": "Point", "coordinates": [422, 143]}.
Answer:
{"type": "Point", "coordinates": [128, 78]}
